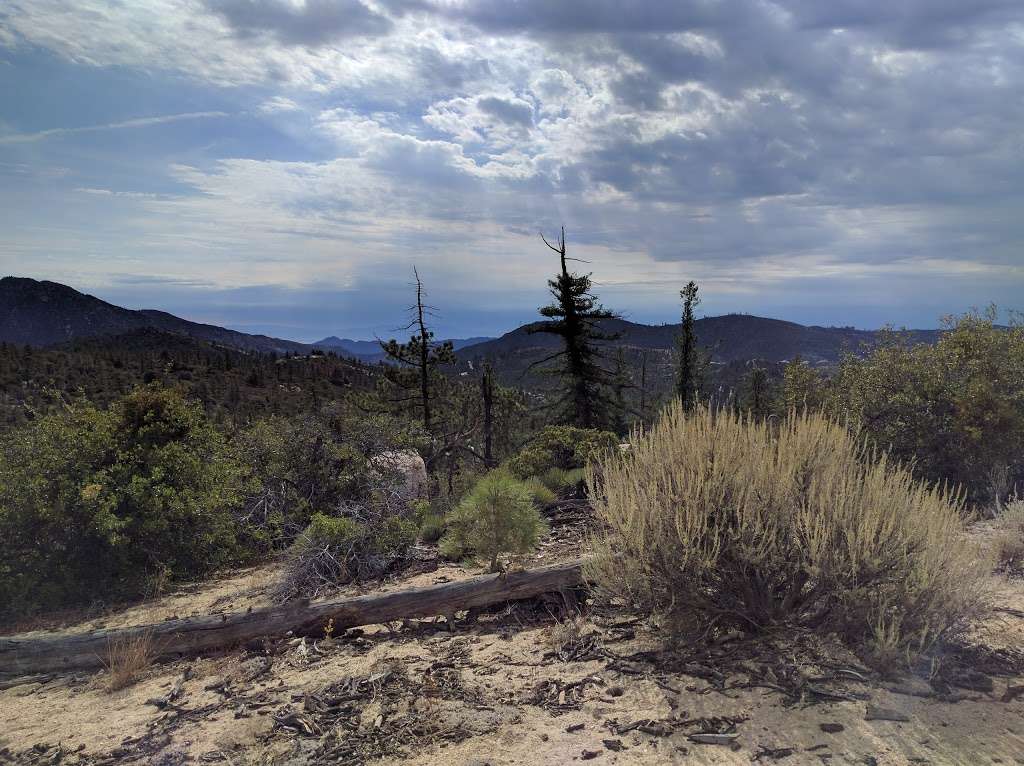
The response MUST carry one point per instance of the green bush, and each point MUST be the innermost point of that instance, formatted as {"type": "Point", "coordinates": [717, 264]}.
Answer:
{"type": "Point", "coordinates": [542, 494]}
{"type": "Point", "coordinates": [561, 481]}
{"type": "Point", "coordinates": [565, 447]}
{"type": "Point", "coordinates": [497, 517]}
{"type": "Point", "coordinates": [432, 528]}
{"type": "Point", "coordinates": [104, 504]}
{"type": "Point", "coordinates": [335, 532]}
{"type": "Point", "coordinates": [299, 469]}
{"type": "Point", "coordinates": [314, 464]}
{"type": "Point", "coordinates": [334, 550]}
{"type": "Point", "coordinates": [712, 519]}
{"type": "Point", "coordinates": [955, 409]}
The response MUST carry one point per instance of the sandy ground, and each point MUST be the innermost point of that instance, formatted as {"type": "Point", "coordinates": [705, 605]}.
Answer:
{"type": "Point", "coordinates": [519, 687]}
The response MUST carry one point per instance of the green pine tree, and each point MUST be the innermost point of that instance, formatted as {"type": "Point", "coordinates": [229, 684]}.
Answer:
{"type": "Point", "coordinates": [587, 398]}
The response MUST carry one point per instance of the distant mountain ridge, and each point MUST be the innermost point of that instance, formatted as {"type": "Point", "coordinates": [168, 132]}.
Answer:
{"type": "Point", "coordinates": [370, 349]}
{"type": "Point", "coordinates": [44, 313]}
{"type": "Point", "coordinates": [40, 313]}
{"type": "Point", "coordinates": [729, 338]}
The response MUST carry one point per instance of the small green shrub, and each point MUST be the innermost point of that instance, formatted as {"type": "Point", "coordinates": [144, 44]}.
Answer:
{"type": "Point", "coordinates": [564, 447]}
{"type": "Point", "coordinates": [432, 528]}
{"type": "Point", "coordinates": [334, 550]}
{"type": "Point", "coordinates": [712, 519]}
{"type": "Point", "coordinates": [497, 517]}
{"type": "Point", "coordinates": [337, 532]}
{"type": "Point", "coordinates": [393, 536]}
{"type": "Point", "coordinates": [542, 494]}
{"type": "Point", "coordinates": [561, 481]}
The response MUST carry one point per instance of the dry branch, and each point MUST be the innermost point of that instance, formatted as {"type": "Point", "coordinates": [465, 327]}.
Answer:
{"type": "Point", "coordinates": [75, 651]}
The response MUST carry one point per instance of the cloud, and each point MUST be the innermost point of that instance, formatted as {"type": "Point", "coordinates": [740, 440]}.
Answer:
{"type": "Point", "coordinates": [597, 15]}
{"type": "Point", "coordinates": [311, 22]}
{"type": "Point", "coordinates": [748, 142]}
{"type": "Point", "coordinates": [142, 122]}
{"type": "Point", "coordinates": [510, 111]}
{"type": "Point", "coordinates": [278, 104]}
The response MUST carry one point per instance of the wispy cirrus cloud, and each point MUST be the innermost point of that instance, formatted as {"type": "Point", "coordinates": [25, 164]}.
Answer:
{"type": "Point", "coordinates": [140, 122]}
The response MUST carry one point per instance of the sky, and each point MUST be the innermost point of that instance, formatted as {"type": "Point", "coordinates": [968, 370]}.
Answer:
{"type": "Point", "coordinates": [280, 166]}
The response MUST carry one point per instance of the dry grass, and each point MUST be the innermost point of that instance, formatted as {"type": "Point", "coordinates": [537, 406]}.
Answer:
{"type": "Point", "coordinates": [718, 522]}
{"type": "Point", "coordinates": [564, 636]}
{"type": "Point", "coordinates": [1010, 541]}
{"type": "Point", "coordinates": [127, 656]}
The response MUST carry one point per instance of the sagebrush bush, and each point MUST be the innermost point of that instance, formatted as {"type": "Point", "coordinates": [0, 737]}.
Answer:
{"type": "Point", "coordinates": [1010, 540]}
{"type": "Point", "coordinates": [498, 516]}
{"type": "Point", "coordinates": [566, 447]}
{"type": "Point", "coordinates": [716, 520]}
{"type": "Point", "coordinates": [334, 550]}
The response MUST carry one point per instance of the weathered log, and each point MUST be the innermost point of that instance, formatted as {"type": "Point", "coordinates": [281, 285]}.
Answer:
{"type": "Point", "coordinates": [24, 655]}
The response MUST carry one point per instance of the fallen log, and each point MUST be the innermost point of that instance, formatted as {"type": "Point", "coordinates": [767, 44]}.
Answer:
{"type": "Point", "coordinates": [26, 655]}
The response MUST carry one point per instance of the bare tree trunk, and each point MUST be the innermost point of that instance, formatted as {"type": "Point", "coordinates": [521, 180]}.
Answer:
{"type": "Point", "coordinates": [424, 353]}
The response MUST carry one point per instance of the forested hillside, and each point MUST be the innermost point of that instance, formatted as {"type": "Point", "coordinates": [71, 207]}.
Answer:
{"type": "Point", "coordinates": [43, 313]}
{"type": "Point", "coordinates": [231, 384]}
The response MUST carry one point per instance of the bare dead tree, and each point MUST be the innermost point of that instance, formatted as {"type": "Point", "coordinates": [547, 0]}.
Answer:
{"type": "Point", "coordinates": [420, 355]}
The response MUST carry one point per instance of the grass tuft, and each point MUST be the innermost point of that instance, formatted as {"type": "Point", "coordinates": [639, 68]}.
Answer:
{"type": "Point", "coordinates": [127, 656]}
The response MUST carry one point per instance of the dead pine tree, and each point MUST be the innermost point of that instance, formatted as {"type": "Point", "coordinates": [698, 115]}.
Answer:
{"type": "Point", "coordinates": [418, 359]}
{"type": "Point", "coordinates": [587, 398]}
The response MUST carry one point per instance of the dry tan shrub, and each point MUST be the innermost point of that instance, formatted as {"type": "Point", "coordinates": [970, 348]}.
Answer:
{"type": "Point", "coordinates": [126, 657]}
{"type": "Point", "coordinates": [1010, 541]}
{"type": "Point", "coordinates": [565, 635]}
{"type": "Point", "coordinates": [715, 520]}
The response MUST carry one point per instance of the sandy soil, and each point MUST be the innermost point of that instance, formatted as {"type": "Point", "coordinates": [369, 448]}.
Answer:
{"type": "Point", "coordinates": [517, 686]}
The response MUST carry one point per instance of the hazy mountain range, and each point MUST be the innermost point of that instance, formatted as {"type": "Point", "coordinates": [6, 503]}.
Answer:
{"type": "Point", "coordinates": [369, 350]}
{"type": "Point", "coordinates": [48, 313]}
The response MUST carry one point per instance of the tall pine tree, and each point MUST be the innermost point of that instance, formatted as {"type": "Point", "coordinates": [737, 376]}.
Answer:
{"type": "Point", "coordinates": [587, 399]}
{"type": "Point", "coordinates": [690, 358]}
